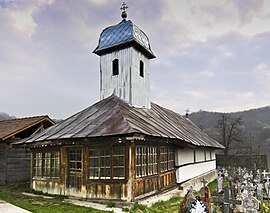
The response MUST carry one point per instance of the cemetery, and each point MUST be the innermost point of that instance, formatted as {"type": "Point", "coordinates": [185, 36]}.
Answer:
{"type": "Point", "coordinates": [235, 190]}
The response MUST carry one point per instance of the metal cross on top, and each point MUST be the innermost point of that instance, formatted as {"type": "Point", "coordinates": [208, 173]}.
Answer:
{"type": "Point", "coordinates": [124, 10]}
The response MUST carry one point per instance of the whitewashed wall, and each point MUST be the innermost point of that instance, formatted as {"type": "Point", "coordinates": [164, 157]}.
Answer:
{"type": "Point", "coordinates": [187, 172]}
{"type": "Point", "coordinates": [208, 155]}
{"type": "Point", "coordinates": [213, 155]}
{"type": "Point", "coordinates": [184, 156]}
{"type": "Point", "coordinates": [128, 85]}
{"type": "Point", "coordinates": [199, 155]}
{"type": "Point", "coordinates": [187, 168]}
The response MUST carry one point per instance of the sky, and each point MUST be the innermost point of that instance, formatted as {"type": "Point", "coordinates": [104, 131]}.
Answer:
{"type": "Point", "coordinates": [211, 55]}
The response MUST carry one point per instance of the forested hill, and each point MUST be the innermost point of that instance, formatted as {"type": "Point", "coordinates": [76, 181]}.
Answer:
{"type": "Point", "coordinates": [5, 116]}
{"type": "Point", "coordinates": [255, 121]}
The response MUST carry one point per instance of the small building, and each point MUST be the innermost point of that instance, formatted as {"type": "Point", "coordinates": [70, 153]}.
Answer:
{"type": "Point", "coordinates": [15, 163]}
{"type": "Point", "coordinates": [123, 147]}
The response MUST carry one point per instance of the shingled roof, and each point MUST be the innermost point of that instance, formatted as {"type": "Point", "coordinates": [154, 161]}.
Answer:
{"type": "Point", "coordinates": [9, 128]}
{"type": "Point", "coordinates": [112, 116]}
{"type": "Point", "coordinates": [126, 33]}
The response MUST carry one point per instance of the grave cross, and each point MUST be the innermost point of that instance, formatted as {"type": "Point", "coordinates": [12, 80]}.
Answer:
{"type": "Point", "coordinates": [267, 178]}
{"type": "Point", "coordinates": [266, 185]}
{"type": "Point", "coordinates": [265, 173]}
{"type": "Point", "coordinates": [203, 181]}
{"type": "Point", "coordinates": [226, 200]}
{"type": "Point", "coordinates": [219, 186]}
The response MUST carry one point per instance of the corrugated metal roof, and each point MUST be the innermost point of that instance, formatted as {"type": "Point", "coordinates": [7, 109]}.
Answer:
{"type": "Point", "coordinates": [121, 34]}
{"type": "Point", "coordinates": [112, 116]}
{"type": "Point", "coordinates": [8, 128]}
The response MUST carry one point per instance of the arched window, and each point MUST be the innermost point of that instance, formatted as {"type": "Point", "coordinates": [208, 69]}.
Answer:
{"type": "Point", "coordinates": [141, 68]}
{"type": "Point", "coordinates": [115, 67]}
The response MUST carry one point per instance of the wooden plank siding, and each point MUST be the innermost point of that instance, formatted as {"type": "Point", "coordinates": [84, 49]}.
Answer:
{"type": "Point", "coordinates": [14, 165]}
{"type": "Point", "coordinates": [128, 84]}
{"type": "Point", "coordinates": [129, 188]}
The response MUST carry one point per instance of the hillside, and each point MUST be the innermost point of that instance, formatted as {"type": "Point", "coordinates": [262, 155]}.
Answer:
{"type": "Point", "coordinates": [256, 123]}
{"type": "Point", "coordinates": [5, 116]}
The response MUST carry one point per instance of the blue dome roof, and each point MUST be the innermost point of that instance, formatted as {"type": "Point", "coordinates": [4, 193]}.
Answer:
{"type": "Point", "coordinates": [123, 34]}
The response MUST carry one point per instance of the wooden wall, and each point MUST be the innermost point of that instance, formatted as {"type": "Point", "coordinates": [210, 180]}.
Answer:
{"type": "Point", "coordinates": [14, 165]}
{"type": "Point", "coordinates": [128, 188]}
{"type": "Point", "coordinates": [128, 84]}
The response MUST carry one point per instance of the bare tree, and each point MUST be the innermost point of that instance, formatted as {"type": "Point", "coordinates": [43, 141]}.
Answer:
{"type": "Point", "coordinates": [229, 132]}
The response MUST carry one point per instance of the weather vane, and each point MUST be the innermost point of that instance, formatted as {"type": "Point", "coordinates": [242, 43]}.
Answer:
{"type": "Point", "coordinates": [124, 10]}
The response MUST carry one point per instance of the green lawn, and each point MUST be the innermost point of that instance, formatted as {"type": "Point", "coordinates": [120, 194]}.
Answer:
{"type": "Point", "coordinates": [170, 206]}
{"type": "Point", "coordinates": [13, 194]}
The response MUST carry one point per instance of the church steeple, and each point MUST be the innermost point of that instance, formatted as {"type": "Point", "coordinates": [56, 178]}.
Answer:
{"type": "Point", "coordinates": [125, 52]}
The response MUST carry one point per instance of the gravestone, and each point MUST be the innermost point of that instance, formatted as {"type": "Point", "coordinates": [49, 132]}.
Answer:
{"type": "Point", "coordinates": [251, 204]}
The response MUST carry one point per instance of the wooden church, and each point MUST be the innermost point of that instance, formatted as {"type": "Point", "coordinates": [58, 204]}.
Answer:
{"type": "Point", "coordinates": [123, 147]}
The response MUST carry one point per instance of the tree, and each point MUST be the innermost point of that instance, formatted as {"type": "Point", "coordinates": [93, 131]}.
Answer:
{"type": "Point", "coordinates": [230, 131]}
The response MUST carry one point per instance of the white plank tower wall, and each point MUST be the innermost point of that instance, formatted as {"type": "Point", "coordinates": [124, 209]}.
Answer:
{"type": "Point", "coordinates": [128, 84]}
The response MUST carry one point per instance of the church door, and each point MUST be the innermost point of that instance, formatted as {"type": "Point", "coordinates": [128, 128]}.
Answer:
{"type": "Point", "coordinates": [75, 169]}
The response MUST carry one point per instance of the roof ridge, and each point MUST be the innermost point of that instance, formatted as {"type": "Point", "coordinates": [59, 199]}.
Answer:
{"type": "Point", "coordinates": [24, 118]}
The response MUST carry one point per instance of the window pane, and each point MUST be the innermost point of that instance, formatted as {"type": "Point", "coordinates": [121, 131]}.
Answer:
{"type": "Point", "coordinates": [93, 163]}
{"type": "Point", "coordinates": [118, 162]}
{"type": "Point", "coordinates": [38, 164]}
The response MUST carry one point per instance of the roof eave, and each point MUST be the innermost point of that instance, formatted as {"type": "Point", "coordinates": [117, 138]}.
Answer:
{"type": "Point", "coordinates": [101, 51]}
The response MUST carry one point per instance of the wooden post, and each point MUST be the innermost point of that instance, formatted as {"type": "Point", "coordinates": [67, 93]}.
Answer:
{"type": "Point", "coordinates": [85, 167]}
{"type": "Point", "coordinates": [131, 172]}
{"type": "Point", "coordinates": [158, 167]}
{"type": "Point", "coordinates": [63, 170]}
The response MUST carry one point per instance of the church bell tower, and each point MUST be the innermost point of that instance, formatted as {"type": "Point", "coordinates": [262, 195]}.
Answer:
{"type": "Point", "coordinates": [125, 52]}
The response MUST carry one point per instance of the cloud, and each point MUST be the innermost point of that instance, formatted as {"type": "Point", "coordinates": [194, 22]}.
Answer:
{"type": "Point", "coordinates": [211, 55]}
{"type": "Point", "coordinates": [248, 9]}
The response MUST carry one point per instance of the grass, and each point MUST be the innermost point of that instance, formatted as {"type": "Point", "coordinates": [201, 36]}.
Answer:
{"type": "Point", "coordinates": [170, 206]}
{"type": "Point", "coordinates": [13, 194]}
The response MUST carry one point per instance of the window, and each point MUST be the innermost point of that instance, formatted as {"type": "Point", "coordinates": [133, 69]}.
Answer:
{"type": "Point", "coordinates": [38, 164]}
{"type": "Point", "coordinates": [150, 160]}
{"type": "Point", "coordinates": [107, 163]}
{"type": "Point", "coordinates": [166, 159]}
{"type": "Point", "coordinates": [119, 162]}
{"type": "Point", "coordinates": [141, 68]}
{"type": "Point", "coordinates": [146, 161]}
{"type": "Point", "coordinates": [75, 161]}
{"type": "Point", "coordinates": [155, 164]}
{"type": "Point", "coordinates": [55, 162]}
{"type": "Point", "coordinates": [46, 164]}
{"type": "Point", "coordinates": [93, 163]}
{"type": "Point", "coordinates": [163, 159]}
{"type": "Point", "coordinates": [170, 159]}
{"type": "Point", "coordinates": [115, 67]}
{"type": "Point", "coordinates": [138, 161]}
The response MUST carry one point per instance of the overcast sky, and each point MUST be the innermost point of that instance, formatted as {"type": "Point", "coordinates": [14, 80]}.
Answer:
{"type": "Point", "coordinates": [212, 55]}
